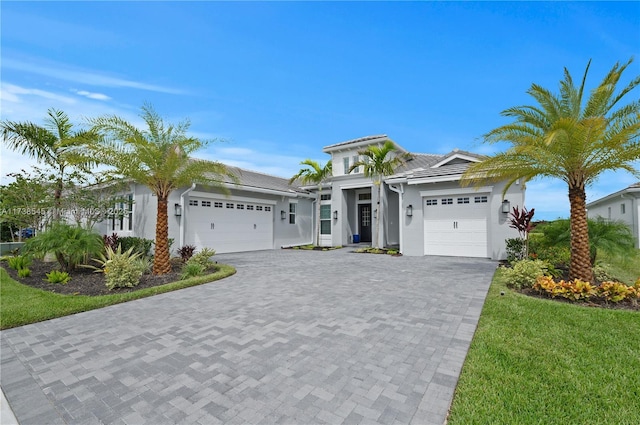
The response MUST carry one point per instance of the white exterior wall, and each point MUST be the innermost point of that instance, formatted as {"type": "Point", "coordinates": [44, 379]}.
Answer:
{"type": "Point", "coordinates": [498, 229]}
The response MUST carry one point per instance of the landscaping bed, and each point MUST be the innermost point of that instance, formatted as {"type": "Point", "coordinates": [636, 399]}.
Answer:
{"type": "Point", "coordinates": [84, 281]}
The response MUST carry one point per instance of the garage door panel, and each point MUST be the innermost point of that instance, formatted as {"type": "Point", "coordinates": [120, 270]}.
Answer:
{"type": "Point", "coordinates": [455, 228]}
{"type": "Point", "coordinates": [230, 229]}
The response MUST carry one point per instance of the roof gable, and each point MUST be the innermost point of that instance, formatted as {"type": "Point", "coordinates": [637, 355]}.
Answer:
{"type": "Point", "coordinates": [458, 157]}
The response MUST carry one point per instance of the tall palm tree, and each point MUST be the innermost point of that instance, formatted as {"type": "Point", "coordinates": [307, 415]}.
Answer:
{"type": "Point", "coordinates": [379, 161]}
{"type": "Point", "coordinates": [572, 137]}
{"type": "Point", "coordinates": [157, 157]}
{"type": "Point", "coordinates": [314, 173]}
{"type": "Point", "coordinates": [55, 144]}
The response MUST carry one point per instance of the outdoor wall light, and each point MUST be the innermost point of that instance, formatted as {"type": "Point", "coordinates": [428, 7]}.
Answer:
{"type": "Point", "coordinates": [335, 215]}
{"type": "Point", "coordinates": [409, 210]}
{"type": "Point", "coordinates": [177, 209]}
{"type": "Point", "coordinates": [506, 206]}
{"type": "Point", "coordinates": [283, 214]}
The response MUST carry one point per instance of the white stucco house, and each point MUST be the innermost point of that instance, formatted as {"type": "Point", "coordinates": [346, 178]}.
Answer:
{"type": "Point", "coordinates": [423, 209]}
{"type": "Point", "coordinates": [623, 205]}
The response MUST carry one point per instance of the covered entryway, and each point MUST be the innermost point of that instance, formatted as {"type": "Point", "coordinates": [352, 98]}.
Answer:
{"type": "Point", "coordinates": [364, 222]}
{"type": "Point", "coordinates": [456, 226]}
{"type": "Point", "coordinates": [228, 226]}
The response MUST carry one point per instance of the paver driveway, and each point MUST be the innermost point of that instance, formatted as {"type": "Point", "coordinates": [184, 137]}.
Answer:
{"type": "Point", "coordinates": [294, 337]}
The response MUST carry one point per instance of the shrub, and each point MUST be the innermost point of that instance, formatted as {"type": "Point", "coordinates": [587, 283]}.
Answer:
{"type": "Point", "coordinates": [121, 269]}
{"type": "Point", "coordinates": [615, 291]}
{"type": "Point", "coordinates": [556, 255]}
{"type": "Point", "coordinates": [578, 290]}
{"type": "Point", "coordinates": [19, 262]}
{"type": "Point", "coordinates": [203, 258]}
{"type": "Point", "coordinates": [111, 241]}
{"type": "Point", "coordinates": [72, 245]}
{"type": "Point", "coordinates": [515, 248]}
{"type": "Point", "coordinates": [57, 276]}
{"type": "Point", "coordinates": [24, 272]}
{"type": "Point", "coordinates": [191, 270]}
{"type": "Point", "coordinates": [141, 246]}
{"type": "Point", "coordinates": [186, 252]}
{"type": "Point", "coordinates": [523, 274]}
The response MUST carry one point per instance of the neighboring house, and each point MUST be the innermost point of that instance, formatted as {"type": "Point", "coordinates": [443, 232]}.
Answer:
{"type": "Point", "coordinates": [623, 205]}
{"type": "Point", "coordinates": [425, 211]}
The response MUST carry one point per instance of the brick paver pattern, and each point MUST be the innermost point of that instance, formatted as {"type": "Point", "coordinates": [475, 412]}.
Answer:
{"type": "Point", "coordinates": [295, 337]}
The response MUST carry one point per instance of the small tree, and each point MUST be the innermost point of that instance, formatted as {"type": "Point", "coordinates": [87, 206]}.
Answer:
{"type": "Point", "coordinates": [521, 221]}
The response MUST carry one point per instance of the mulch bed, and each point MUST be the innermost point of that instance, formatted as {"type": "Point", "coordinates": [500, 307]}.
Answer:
{"type": "Point", "coordinates": [84, 281]}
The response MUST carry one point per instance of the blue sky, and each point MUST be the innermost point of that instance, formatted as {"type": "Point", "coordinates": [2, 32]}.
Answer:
{"type": "Point", "coordinates": [277, 81]}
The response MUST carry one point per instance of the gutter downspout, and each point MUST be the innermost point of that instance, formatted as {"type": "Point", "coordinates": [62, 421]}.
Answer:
{"type": "Point", "coordinates": [193, 186]}
{"type": "Point", "coordinates": [400, 192]}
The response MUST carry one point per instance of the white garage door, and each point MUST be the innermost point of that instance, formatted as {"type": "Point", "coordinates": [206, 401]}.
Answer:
{"type": "Point", "coordinates": [456, 226]}
{"type": "Point", "coordinates": [228, 226]}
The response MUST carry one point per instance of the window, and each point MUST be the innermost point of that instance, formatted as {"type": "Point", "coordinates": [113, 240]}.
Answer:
{"type": "Point", "coordinates": [325, 197]}
{"type": "Point", "coordinates": [229, 205]}
{"type": "Point", "coordinates": [249, 207]}
{"type": "Point", "coordinates": [356, 159]}
{"type": "Point", "coordinates": [463, 200]}
{"type": "Point", "coordinates": [130, 211]}
{"type": "Point", "coordinates": [480, 199]}
{"type": "Point", "coordinates": [267, 209]}
{"type": "Point", "coordinates": [432, 202]}
{"type": "Point", "coordinates": [447, 201]}
{"type": "Point", "coordinates": [240, 206]}
{"type": "Point", "coordinates": [364, 196]}
{"type": "Point", "coordinates": [206, 203]}
{"type": "Point", "coordinates": [345, 162]}
{"type": "Point", "coordinates": [609, 213]}
{"type": "Point", "coordinates": [123, 211]}
{"type": "Point", "coordinates": [623, 208]}
{"type": "Point", "coordinates": [325, 219]}
{"type": "Point", "coordinates": [258, 207]}
{"type": "Point", "coordinates": [193, 202]}
{"type": "Point", "coordinates": [292, 213]}
{"type": "Point", "coordinates": [217, 204]}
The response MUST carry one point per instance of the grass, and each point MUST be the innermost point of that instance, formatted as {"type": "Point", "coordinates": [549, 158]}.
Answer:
{"type": "Point", "coordinates": [535, 361]}
{"type": "Point", "coordinates": [627, 267]}
{"type": "Point", "coordinates": [21, 304]}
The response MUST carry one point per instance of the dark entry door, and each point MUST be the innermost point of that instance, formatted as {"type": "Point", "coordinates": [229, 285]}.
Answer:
{"type": "Point", "coordinates": [364, 220]}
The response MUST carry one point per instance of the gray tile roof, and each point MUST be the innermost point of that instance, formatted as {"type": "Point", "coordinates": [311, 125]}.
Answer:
{"type": "Point", "coordinates": [421, 166]}
{"type": "Point", "coordinates": [355, 141]}
{"type": "Point", "coordinates": [254, 179]}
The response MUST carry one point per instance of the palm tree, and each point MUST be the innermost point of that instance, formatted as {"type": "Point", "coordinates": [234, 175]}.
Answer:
{"type": "Point", "coordinates": [157, 157]}
{"type": "Point", "coordinates": [379, 161]}
{"type": "Point", "coordinates": [314, 173]}
{"type": "Point", "coordinates": [56, 144]}
{"type": "Point", "coordinates": [571, 138]}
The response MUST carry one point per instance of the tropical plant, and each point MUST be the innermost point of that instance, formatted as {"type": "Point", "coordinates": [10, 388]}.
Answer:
{"type": "Point", "coordinates": [611, 236]}
{"type": "Point", "coordinates": [523, 274]}
{"type": "Point", "coordinates": [24, 272]}
{"type": "Point", "coordinates": [379, 161]}
{"type": "Point", "coordinates": [314, 173]}
{"type": "Point", "coordinates": [58, 276]}
{"type": "Point", "coordinates": [570, 137]}
{"type": "Point", "coordinates": [521, 220]}
{"type": "Point", "coordinates": [19, 262]}
{"type": "Point", "coordinates": [121, 269]}
{"type": "Point", "coordinates": [111, 241]}
{"type": "Point", "coordinates": [55, 143]}
{"type": "Point", "coordinates": [186, 252]}
{"type": "Point", "coordinates": [203, 258]}
{"type": "Point", "coordinates": [190, 270]}
{"type": "Point", "coordinates": [140, 245]}
{"type": "Point", "coordinates": [159, 158]}
{"type": "Point", "coordinates": [72, 245]}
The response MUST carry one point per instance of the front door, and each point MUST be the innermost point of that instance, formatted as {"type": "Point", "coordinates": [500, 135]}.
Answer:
{"type": "Point", "coordinates": [364, 220]}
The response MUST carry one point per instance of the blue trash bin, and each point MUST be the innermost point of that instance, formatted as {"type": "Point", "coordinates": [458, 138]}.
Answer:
{"type": "Point", "coordinates": [356, 238]}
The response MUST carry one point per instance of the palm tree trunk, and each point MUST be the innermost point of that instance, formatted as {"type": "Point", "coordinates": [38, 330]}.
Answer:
{"type": "Point", "coordinates": [580, 267]}
{"type": "Point", "coordinates": [161, 258]}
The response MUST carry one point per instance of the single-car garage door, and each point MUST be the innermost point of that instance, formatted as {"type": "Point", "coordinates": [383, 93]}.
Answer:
{"type": "Point", "coordinates": [228, 226]}
{"type": "Point", "coordinates": [456, 226]}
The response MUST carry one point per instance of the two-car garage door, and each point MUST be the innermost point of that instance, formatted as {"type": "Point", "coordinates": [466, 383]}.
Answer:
{"type": "Point", "coordinates": [228, 226]}
{"type": "Point", "coordinates": [456, 225]}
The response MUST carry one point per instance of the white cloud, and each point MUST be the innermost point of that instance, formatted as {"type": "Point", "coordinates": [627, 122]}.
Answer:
{"type": "Point", "coordinates": [90, 95]}
{"type": "Point", "coordinates": [88, 77]}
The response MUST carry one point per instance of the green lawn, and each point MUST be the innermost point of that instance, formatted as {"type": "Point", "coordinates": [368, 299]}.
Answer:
{"type": "Point", "coordinates": [535, 361]}
{"type": "Point", "coordinates": [21, 304]}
